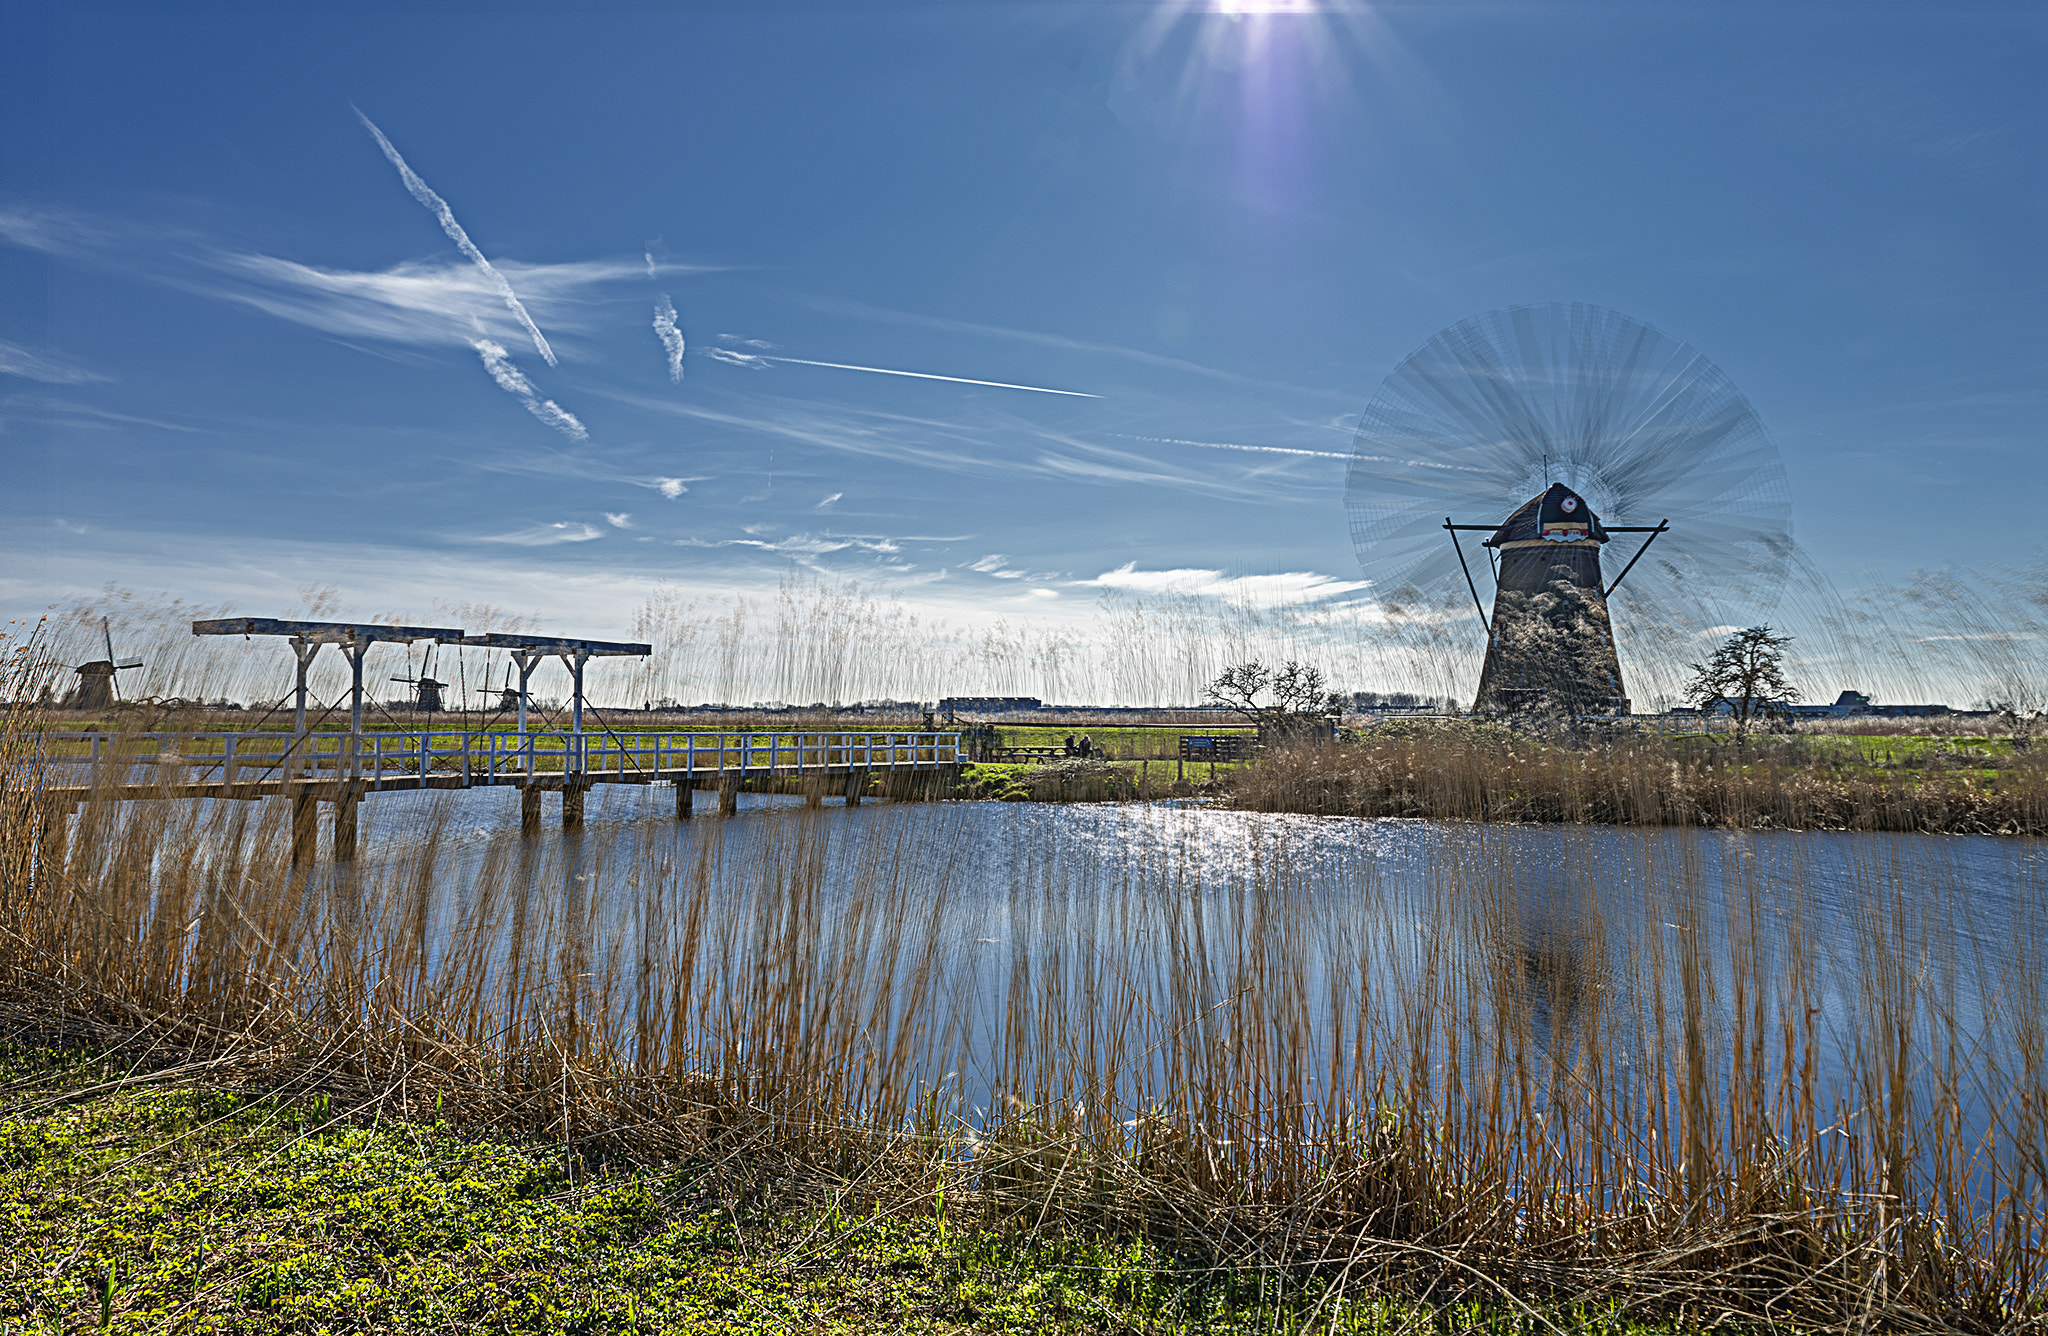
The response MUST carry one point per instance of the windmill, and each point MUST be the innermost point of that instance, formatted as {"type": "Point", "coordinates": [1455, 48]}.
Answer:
{"type": "Point", "coordinates": [426, 689]}
{"type": "Point", "coordinates": [97, 688]}
{"type": "Point", "coordinates": [508, 695]}
{"type": "Point", "coordinates": [1555, 424]}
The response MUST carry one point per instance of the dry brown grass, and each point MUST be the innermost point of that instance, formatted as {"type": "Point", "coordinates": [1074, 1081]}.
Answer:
{"type": "Point", "coordinates": [1236, 1069]}
{"type": "Point", "coordinates": [1462, 772]}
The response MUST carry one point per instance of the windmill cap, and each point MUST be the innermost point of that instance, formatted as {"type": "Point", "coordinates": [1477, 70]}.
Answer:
{"type": "Point", "coordinates": [1559, 515]}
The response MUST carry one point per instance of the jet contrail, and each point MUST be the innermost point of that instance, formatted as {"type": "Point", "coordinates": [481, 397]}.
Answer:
{"type": "Point", "coordinates": [1227, 445]}
{"type": "Point", "coordinates": [513, 381]}
{"type": "Point", "coordinates": [424, 193]}
{"type": "Point", "coordinates": [926, 375]}
{"type": "Point", "coordinates": [671, 337]}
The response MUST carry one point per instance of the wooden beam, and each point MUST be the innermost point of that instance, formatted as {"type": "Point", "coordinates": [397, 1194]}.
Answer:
{"type": "Point", "coordinates": [324, 633]}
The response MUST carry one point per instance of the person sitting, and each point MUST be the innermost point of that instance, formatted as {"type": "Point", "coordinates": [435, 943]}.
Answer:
{"type": "Point", "coordinates": [1087, 746]}
{"type": "Point", "coordinates": [1070, 744]}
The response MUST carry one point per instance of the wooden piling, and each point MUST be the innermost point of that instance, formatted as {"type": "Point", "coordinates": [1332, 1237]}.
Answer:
{"type": "Point", "coordinates": [728, 793]}
{"type": "Point", "coordinates": [305, 825]}
{"type": "Point", "coordinates": [529, 808]}
{"type": "Point", "coordinates": [684, 792]}
{"type": "Point", "coordinates": [347, 807]}
{"type": "Point", "coordinates": [572, 804]}
{"type": "Point", "coordinates": [856, 784]}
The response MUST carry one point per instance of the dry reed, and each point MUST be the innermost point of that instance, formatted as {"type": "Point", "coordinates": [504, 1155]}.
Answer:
{"type": "Point", "coordinates": [1471, 772]}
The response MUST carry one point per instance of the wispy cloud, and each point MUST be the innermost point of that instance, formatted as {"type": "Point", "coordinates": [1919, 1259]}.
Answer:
{"type": "Point", "coordinates": [439, 208]}
{"type": "Point", "coordinates": [16, 360]}
{"type": "Point", "coordinates": [671, 337]}
{"type": "Point", "coordinates": [752, 361]}
{"type": "Point", "coordinates": [514, 382]}
{"type": "Point", "coordinates": [1288, 587]}
{"type": "Point", "coordinates": [546, 535]}
{"type": "Point", "coordinates": [799, 544]}
{"type": "Point", "coordinates": [828, 501]}
{"type": "Point", "coordinates": [1058, 341]}
{"type": "Point", "coordinates": [996, 564]}
{"type": "Point", "coordinates": [618, 520]}
{"type": "Point", "coordinates": [669, 487]}
{"type": "Point", "coordinates": [421, 302]}
{"type": "Point", "coordinates": [1232, 445]}
{"type": "Point", "coordinates": [927, 375]}
{"type": "Point", "coordinates": [991, 443]}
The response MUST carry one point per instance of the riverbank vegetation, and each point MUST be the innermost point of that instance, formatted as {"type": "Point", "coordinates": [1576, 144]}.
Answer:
{"type": "Point", "coordinates": [1478, 771]}
{"type": "Point", "coordinates": [1504, 1097]}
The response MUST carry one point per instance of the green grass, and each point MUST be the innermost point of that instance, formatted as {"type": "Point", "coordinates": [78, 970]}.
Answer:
{"type": "Point", "coordinates": [209, 1210]}
{"type": "Point", "coordinates": [1904, 756]}
{"type": "Point", "coordinates": [1119, 743]}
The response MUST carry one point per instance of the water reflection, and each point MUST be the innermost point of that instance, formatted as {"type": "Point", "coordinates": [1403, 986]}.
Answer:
{"type": "Point", "coordinates": [1020, 952]}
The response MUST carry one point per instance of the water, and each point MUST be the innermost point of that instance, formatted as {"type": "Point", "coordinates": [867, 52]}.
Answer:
{"type": "Point", "coordinates": [1017, 952]}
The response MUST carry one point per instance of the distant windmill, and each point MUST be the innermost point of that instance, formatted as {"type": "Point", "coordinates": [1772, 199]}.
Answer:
{"type": "Point", "coordinates": [97, 689]}
{"type": "Point", "coordinates": [508, 695]}
{"type": "Point", "coordinates": [426, 689]}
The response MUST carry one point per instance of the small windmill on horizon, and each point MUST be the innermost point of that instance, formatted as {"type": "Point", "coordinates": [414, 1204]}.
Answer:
{"type": "Point", "coordinates": [97, 688]}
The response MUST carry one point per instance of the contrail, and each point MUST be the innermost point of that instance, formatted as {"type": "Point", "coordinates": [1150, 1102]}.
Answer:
{"type": "Point", "coordinates": [514, 382]}
{"type": "Point", "coordinates": [439, 208]}
{"type": "Point", "coordinates": [671, 337]}
{"type": "Point", "coordinates": [926, 375]}
{"type": "Point", "coordinates": [1227, 445]}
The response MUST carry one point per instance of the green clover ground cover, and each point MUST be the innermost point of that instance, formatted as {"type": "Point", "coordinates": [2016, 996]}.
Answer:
{"type": "Point", "coordinates": [204, 1210]}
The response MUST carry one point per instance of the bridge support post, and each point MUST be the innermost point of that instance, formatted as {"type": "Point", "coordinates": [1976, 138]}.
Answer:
{"type": "Point", "coordinates": [684, 793]}
{"type": "Point", "coordinates": [529, 808]}
{"type": "Point", "coordinates": [728, 794]}
{"type": "Point", "coordinates": [856, 784]}
{"type": "Point", "coordinates": [572, 804]}
{"type": "Point", "coordinates": [305, 824]}
{"type": "Point", "coordinates": [346, 806]}
{"type": "Point", "coordinates": [814, 792]}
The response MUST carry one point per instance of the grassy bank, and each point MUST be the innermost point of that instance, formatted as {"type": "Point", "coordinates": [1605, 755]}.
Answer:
{"type": "Point", "coordinates": [1483, 772]}
{"type": "Point", "coordinates": [204, 1203]}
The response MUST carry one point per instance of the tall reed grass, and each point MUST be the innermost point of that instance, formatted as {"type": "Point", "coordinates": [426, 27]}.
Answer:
{"type": "Point", "coordinates": [1480, 772]}
{"type": "Point", "coordinates": [1655, 1101]}
{"type": "Point", "coordinates": [1946, 636]}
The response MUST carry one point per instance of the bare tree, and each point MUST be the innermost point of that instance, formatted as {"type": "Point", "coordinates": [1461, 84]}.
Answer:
{"type": "Point", "coordinates": [1748, 672]}
{"type": "Point", "coordinates": [2017, 703]}
{"type": "Point", "coordinates": [1297, 699]}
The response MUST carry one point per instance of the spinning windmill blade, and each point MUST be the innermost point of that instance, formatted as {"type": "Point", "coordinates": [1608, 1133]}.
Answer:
{"type": "Point", "coordinates": [1500, 411]}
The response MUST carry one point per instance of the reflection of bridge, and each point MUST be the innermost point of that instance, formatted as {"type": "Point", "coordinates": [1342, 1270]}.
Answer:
{"type": "Point", "coordinates": [343, 768]}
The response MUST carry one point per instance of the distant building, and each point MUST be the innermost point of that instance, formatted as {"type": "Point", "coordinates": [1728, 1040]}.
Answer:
{"type": "Point", "coordinates": [1848, 705]}
{"type": "Point", "coordinates": [988, 704]}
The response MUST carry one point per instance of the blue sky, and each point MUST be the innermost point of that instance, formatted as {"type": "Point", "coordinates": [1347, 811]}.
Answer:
{"type": "Point", "coordinates": [237, 357]}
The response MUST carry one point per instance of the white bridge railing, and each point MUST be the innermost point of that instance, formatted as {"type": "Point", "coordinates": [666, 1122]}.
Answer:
{"type": "Point", "coordinates": [477, 758]}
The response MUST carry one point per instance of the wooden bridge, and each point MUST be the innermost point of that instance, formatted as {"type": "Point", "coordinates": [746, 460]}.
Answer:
{"type": "Point", "coordinates": [341, 769]}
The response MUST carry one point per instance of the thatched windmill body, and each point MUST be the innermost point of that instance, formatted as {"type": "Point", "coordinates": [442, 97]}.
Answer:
{"type": "Point", "coordinates": [1596, 414]}
{"type": "Point", "coordinates": [1550, 640]}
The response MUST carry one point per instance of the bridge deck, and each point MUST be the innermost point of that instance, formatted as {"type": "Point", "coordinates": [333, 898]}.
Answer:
{"type": "Point", "coordinates": [330, 765]}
